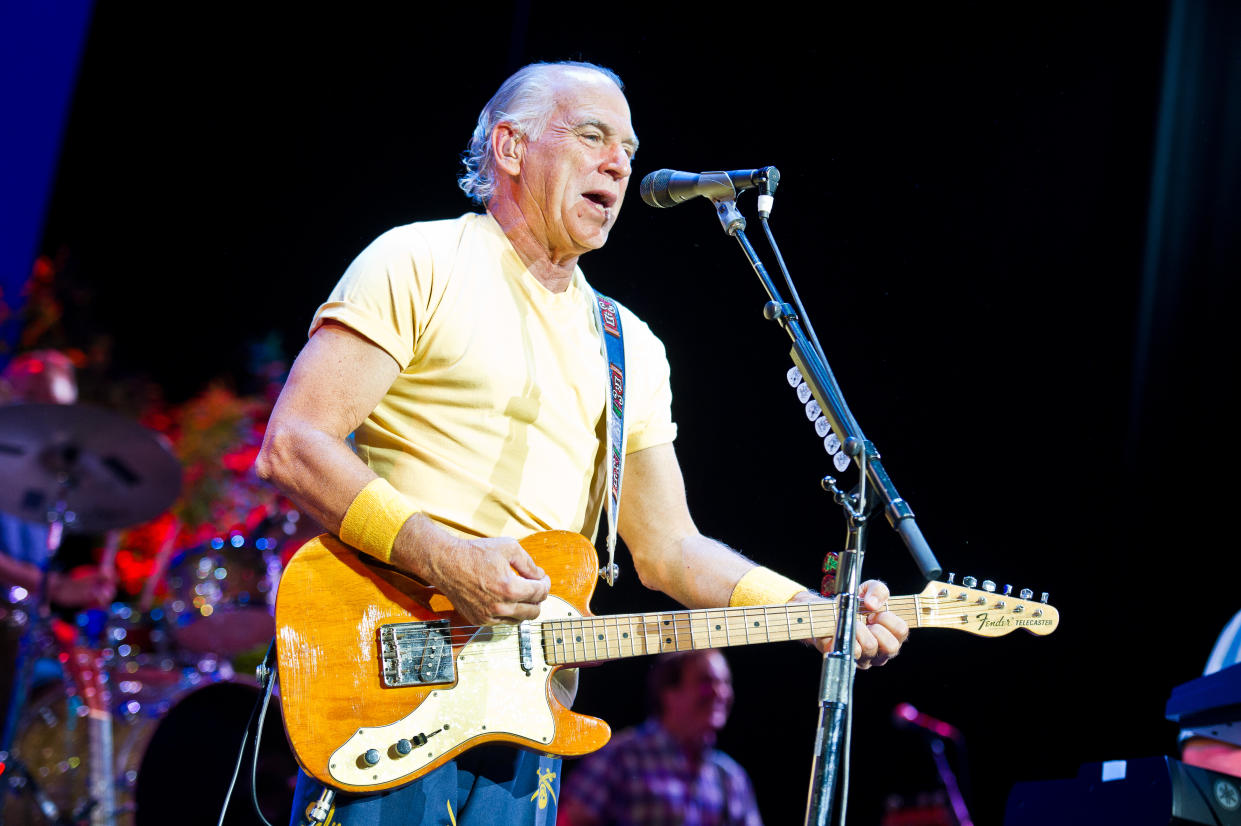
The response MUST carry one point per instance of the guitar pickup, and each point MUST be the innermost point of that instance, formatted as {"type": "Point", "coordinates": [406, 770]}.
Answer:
{"type": "Point", "coordinates": [416, 653]}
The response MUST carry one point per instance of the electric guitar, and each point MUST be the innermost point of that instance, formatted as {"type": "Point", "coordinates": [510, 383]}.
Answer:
{"type": "Point", "coordinates": [381, 681]}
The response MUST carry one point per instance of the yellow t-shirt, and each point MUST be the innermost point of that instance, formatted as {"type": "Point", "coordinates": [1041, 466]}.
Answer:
{"type": "Point", "coordinates": [494, 426]}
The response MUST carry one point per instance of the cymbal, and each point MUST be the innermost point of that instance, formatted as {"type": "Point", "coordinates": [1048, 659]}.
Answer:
{"type": "Point", "coordinates": [110, 471]}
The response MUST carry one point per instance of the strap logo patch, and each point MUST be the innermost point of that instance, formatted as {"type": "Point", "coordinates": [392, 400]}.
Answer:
{"type": "Point", "coordinates": [608, 313]}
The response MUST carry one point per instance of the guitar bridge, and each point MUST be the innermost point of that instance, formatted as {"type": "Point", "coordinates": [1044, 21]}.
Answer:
{"type": "Point", "coordinates": [416, 653]}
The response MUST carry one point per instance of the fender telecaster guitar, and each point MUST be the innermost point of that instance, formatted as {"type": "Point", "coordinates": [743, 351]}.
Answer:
{"type": "Point", "coordinates": [381, 682]}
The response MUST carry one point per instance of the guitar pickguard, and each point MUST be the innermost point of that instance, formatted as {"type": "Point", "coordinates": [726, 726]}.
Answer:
{"type": "Point", "coordinates": [493, 694]}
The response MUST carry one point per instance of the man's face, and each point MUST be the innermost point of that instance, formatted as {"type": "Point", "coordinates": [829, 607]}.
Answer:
{"type": "Point", "coordinates": [701, 701]}
{"type": "Point", "coordinates": [574, 177]}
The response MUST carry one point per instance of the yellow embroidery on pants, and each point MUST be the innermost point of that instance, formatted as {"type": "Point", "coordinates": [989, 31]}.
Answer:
{"type": "Point", "coordinates": [451, 816]}
{"type": "Point", "coordinates": [545, 787]}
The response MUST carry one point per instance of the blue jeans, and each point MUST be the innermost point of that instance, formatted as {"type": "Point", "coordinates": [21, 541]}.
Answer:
{"type": "Point", "coordinates": [486, 786]}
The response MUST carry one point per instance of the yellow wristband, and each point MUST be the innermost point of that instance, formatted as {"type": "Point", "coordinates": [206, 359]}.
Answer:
{"type": "Point", "coordinates": [763, 586]}
{"type": "Point", "coordinates": [375, 518]}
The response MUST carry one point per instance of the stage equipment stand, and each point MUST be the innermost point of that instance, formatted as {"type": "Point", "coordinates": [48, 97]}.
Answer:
{"type": "Point", "coordinates": [836, 684]}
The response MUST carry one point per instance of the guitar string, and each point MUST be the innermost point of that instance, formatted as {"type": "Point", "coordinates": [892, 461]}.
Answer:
{"type": "Point", "coordinates": [783, 631]}
{"type": "Point", "coordinates": [896, 604]}
{"type": "Point", "coordinates": [680, 615]}
{"type": "Point", "coordinates": [779, 626]}
{"type": "Point", "coordinates": [906, 606]}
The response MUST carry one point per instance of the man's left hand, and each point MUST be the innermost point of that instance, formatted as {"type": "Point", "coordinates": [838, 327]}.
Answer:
{"type": "Point", "coordinates": [879, 635]}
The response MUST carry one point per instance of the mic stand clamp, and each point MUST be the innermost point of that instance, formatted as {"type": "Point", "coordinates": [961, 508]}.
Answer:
{"type": "Point", "coordinates": [730, 217]}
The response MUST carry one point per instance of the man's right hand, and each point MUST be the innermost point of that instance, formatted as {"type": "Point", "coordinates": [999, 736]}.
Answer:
{"type": "Point", "coordinates": [489, 581]}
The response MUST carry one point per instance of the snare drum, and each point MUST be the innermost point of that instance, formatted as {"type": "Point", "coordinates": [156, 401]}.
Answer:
{"type": "Point", "coordinates": [222, 595]}
{"type": "Point", "coordinates": [173, 760]}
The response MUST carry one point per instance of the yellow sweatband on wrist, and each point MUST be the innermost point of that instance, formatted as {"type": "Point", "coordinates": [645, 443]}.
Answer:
{"type": "Point", "coordinates": [375, 518]}
{"type": "Point", "coordinates": [763, 586]}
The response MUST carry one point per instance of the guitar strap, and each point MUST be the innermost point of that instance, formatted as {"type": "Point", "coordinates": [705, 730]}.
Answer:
{"type": "Point", "coordinates": [612, 346]}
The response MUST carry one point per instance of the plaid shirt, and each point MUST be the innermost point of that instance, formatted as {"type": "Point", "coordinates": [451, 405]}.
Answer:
{"type": "Point", "coordinates": [643, 778]}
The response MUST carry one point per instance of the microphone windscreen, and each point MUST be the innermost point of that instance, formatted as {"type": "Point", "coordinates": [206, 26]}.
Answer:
{"type": "Point", "coordinates": [654, 189]}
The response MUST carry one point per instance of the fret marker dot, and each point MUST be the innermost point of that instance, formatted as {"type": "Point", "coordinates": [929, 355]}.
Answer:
{"type": "Point", "coordinates": [756, 623]}
{"type": "Point", "coordinates": [625, 635]}
{"type": "Point", "coordinates": [579, 639]}
{"type": "Point", "coordinates": [668, 640]}
{"type": "Point", "coordinates": [559, 640]}
{"type": "Point", "coordinates": [600, 636]}
{"type": "Point", "coordinates": [717, 628]}
{"type": "Point", "coordinates": [799, 619]}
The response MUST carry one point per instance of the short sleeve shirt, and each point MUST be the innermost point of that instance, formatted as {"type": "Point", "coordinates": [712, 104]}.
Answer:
{"type": "Point", "coordinates": [494, 426]}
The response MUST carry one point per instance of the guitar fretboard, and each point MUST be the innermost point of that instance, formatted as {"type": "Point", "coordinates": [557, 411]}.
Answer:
{"type": "Point", "coordinates": [597, 639]}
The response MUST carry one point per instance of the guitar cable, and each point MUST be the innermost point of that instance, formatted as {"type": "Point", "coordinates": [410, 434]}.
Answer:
{"type": "Point", "coordinates": [266, 673]}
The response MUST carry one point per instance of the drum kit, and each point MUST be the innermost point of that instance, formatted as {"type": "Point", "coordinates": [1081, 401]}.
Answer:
{"type": "Point", "coordinates": [134, 714]}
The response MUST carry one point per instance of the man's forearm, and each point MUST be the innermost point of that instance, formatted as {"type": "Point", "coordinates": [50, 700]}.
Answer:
{"type": "Point", "coordinates": [697, 571]}
{"type": "Point", "coordinates": [22, 574]}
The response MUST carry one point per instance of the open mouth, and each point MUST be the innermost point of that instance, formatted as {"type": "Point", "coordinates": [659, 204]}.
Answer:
{"type": "Point", "coordinates": [603, 199]}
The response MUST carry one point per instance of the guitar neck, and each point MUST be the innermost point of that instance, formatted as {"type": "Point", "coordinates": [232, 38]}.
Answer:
{"type": "Point", "coordinates": [599, 639]}
{"type": "Point", "coordinates": [940, 605]}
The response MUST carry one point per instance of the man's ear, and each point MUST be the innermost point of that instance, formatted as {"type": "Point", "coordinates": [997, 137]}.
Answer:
{"type": "Point", "coordinates": [508, 147]}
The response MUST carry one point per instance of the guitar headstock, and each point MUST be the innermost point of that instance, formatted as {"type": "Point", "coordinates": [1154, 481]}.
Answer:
{"type": "Point", "coordinates": [87, 670]}
{"type": "Point", "coordinates": [983, 611]}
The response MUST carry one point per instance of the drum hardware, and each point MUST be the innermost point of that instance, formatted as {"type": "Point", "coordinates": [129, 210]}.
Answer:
{"type": "Point", "coordinates": [173, 750]}
{"type": "Point", "coordinates": [223, 593]}
{"type": "Point", "coordinates": [168, 669]}
{"type": "Point", "coordinates": [77, 468]}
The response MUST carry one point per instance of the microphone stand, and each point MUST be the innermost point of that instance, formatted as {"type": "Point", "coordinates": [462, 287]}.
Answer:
{"type": "Point", "coordinates": [836, 683]}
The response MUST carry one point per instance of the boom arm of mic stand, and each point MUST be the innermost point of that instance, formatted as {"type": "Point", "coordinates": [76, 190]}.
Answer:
{"type": "Point", "coordinates": [826, 391]}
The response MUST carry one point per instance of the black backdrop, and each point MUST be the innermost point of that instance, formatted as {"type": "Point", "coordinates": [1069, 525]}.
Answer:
{"type": "Point", "coordinates": [965, 205]}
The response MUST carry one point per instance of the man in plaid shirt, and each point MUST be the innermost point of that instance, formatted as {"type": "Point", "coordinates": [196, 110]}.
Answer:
{"type": "Point", "coordinates": [666, 772]}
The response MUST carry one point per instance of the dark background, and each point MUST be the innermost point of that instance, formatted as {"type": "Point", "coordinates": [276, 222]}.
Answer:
{"type": "Point", "coordinates": [1015, 230]}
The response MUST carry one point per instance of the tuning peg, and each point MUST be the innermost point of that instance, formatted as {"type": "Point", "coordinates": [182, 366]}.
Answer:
{"type": "Point", "coordinates": [1026, 593]}
{"type": "Point", "coordinates": [1008, 590]}
{"type": "Point", "coordinates": [1043, 599]}
{"type": "Point", "coordinates": [988, 586]}
{"type": "Point", "coordinates": [969, 582]}
{"type": "Point", "coordinates": [951, 578]}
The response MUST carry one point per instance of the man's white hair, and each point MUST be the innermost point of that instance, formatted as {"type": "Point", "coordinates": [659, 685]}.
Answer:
{"type": "Point", "coordinates": [525, 100]}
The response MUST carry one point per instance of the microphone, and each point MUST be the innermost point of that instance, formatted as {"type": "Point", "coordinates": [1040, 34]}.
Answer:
{"type": "Point", "coordinates": [906, 715]}
{"type": "Point", "coordinates": [667, 187]}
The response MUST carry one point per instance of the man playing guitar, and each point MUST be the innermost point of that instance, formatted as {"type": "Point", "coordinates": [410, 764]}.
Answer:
{"type": "Point", "coordinates": [465, 358]}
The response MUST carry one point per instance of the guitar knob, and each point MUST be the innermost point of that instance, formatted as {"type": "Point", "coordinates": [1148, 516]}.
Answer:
{"type": "Point", "coordinates": [988, 586]}
{"type": "Point", "coordinates": [1026, 593]}
{"type": "Point", "coordinates": [969, 582]}
{"type": "Point", "coordinates": [371, 757]}
{"type": "Point", "coordinates": [404, 747]}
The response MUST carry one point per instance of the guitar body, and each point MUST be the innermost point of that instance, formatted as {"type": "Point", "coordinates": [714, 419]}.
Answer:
{"type": "Point", "coordinates": [353, 730]}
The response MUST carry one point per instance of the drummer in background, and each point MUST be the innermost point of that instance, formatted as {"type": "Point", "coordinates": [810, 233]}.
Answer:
{"type": "Point", "coordinates": [44, 377]}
